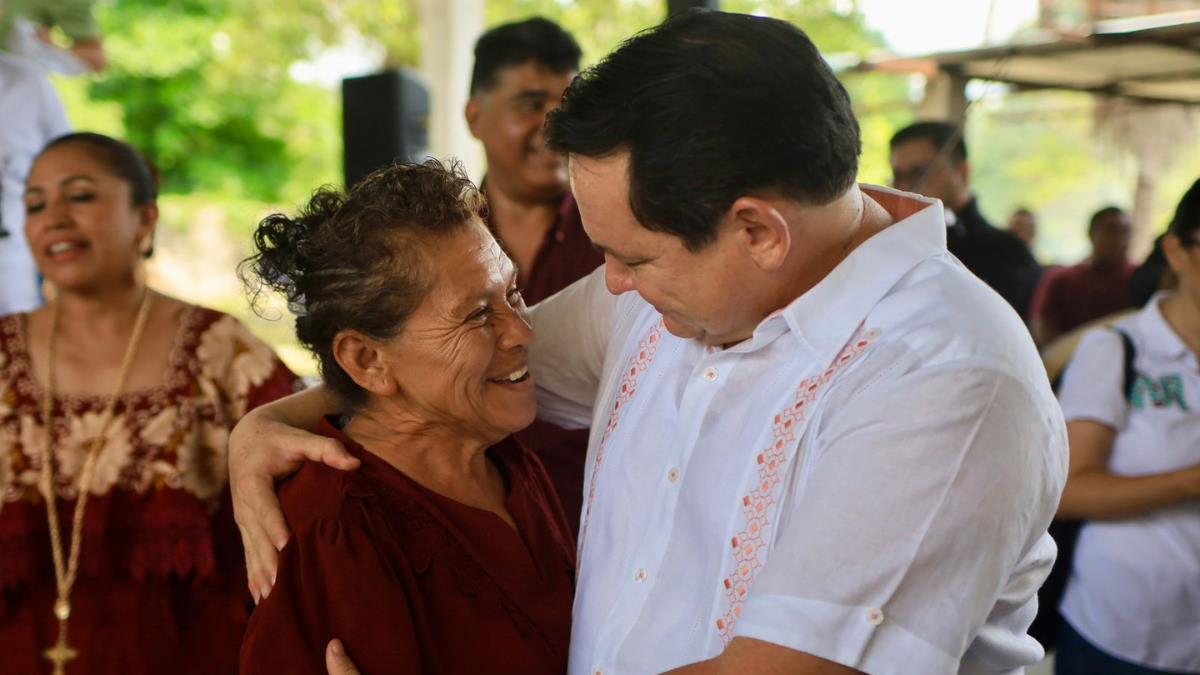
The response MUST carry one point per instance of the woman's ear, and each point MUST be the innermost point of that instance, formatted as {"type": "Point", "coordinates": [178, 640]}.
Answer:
{"type": "Point", "coordinates": [1174, 252]}
{"type": "Point", "coordinates": [147, 226]}
{"type": "Point", "coordinates": [362, 359]}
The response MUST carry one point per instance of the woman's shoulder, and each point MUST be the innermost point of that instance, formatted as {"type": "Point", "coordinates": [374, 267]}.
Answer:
{"type": "Point", "coordinates": [351, 498]}
{"type": "Point", "coordinates": [210, 324]}
{"type": "Point", "coordinates": [315, 493]}
{"type": "Point", "coordinates": [318, 492]}
{"type": "Point", "coordinates": [221, 349]}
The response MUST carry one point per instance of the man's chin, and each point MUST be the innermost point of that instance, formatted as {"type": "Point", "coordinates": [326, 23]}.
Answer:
{"type": "Point", "coordinates": [547, 188]}
{"type": "Point", "coordinates": [546, 174]}
{"type": "Point", "coordinates": [682, 330]}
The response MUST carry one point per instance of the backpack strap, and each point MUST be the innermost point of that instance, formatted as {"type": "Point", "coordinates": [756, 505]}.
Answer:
{"type": "Point", "coordinates": [1129, 376]}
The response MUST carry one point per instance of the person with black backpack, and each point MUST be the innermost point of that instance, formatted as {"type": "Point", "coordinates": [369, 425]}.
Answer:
{"type": "Point", "coordinates": [1131, 399]}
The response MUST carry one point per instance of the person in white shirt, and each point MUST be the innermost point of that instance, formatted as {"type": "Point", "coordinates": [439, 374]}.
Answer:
{"type": "Point", "coordinates": [32, 116]}
{"type": "Point", "coordinates": [819, 444]}
{"type": "Point", "coordinates": [1132, 603]}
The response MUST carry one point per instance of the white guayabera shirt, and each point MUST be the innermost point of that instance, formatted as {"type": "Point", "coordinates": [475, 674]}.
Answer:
{"type": "Point", "coordinates": [868, 479]}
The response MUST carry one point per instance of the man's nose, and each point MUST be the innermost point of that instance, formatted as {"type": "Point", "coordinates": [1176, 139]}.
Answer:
{"type": "Point", "coordinates": [617, 276]}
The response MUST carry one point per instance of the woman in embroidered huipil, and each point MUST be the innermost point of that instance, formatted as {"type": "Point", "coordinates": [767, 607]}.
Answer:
{"type": "Point", "coordinates": [447, 550]}
{"type": "Point", "coordinates": [160, 583]}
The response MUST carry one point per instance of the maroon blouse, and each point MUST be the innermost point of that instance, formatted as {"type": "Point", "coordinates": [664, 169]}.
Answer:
{"type": "Point", "coordinates": [161, 586]}
{"type": "Point", "coordinates": [414, 582]}
{"type": "Point", "coordinates": [566, 255]}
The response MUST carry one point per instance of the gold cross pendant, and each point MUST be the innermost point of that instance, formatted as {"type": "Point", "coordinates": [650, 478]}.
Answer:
{"type": "Point", "coordinates": [60, 654]}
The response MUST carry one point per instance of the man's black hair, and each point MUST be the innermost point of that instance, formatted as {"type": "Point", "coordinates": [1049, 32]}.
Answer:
{"type": "Point", "coordinates": [712, 107]}
{"type": "Point", "coordinates": [512, 44]}
{"type": "Point", "coordinates": [939, 134]}
{"type": "Point", "coordinates": [1101, 215]}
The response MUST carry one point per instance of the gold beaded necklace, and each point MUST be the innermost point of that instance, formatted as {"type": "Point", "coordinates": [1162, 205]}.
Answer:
{"type": "Point", "coordinates": [64, 575]}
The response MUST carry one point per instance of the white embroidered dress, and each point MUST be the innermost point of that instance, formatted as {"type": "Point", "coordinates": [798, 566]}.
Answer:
{"type": "Point", "coordinates": [869, 478]}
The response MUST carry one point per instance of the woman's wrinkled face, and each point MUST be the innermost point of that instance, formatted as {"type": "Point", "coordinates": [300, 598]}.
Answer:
{"type": "Point", "coordinates": [463, 356]}
{"type": "Point", "coordinates": [81, 224]}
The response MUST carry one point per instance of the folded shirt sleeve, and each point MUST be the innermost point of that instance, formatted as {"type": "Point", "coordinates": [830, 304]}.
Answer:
{"type": "Point", "coordinates": [1092, 385]}
{"type": "Point", "coordinates": [922, 519]}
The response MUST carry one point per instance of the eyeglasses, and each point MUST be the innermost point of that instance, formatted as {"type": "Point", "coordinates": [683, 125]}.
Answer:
{"type": "Point", "coordinates": [914, 178]}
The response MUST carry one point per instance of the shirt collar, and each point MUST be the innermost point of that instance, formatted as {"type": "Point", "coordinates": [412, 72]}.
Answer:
{"type": "Point", "coordinates": [825, 318]}
{"type": "Point", "coordinates": [1161, 338]}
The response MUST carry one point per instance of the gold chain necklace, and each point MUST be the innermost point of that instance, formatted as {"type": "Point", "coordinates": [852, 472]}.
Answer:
{"type": "Point", "coordinates": [64, 575]}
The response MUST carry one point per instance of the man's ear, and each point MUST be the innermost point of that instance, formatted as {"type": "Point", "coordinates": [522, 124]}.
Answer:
{"type": "Point", "coordinates": [761, 230]}
{"type": "Point", "coordinates": [963, 169]}
{"type": "Point", "coordinates": [362, 359]}
{"type": "Point", "coordinates": [471, 112]}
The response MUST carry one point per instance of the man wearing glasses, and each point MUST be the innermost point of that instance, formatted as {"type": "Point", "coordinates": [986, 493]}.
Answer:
{"type": "Point", "coordinates": [930, 158]}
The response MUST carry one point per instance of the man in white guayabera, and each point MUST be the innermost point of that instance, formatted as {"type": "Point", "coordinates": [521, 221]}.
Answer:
{"type": "Point", "coordinates": [819, 444]}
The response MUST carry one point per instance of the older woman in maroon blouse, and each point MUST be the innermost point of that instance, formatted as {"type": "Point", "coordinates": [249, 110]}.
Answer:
{"type": "Point", "coordinates": [446, 551]}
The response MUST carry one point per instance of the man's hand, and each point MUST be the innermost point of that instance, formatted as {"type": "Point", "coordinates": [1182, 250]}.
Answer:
{"type": "Point", "coordinates": [265, 446]}
{"type": "Point", "coordinates": [337, 662]}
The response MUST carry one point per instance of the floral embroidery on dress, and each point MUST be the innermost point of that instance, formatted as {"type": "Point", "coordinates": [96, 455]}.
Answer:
{"type": "Point", "coordinates": [758, 507]}
{"type": "Point", "coordinates": [71, 449]}
{"type": "Point", "coordinates": [172, 436]}
{"type": "Point", "coordinates": [160, 506]}
{"type": "Point", "coordinates": [228, 353]}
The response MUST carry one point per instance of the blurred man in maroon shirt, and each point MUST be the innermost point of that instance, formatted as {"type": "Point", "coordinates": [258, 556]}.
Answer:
{"type": "Point", "coordinates": [1069, 297]}
{"type": "Point", "coordinates": [521, 70]}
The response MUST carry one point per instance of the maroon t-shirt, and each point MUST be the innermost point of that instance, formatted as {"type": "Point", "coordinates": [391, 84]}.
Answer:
{"type": "Point", "coordinates": [412, 581]}
{"type": "Point", "coordinates": [1069, 297]}
{"type": "Point", "coordinates": [566, 254]}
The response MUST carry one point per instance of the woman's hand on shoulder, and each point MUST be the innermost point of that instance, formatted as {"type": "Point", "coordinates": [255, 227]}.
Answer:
{"type": "Point", "coordinates": [268, 444]}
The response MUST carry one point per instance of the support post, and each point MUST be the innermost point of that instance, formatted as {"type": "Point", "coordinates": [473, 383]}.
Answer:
{"type": "Point", "coordinates": [450, 29]}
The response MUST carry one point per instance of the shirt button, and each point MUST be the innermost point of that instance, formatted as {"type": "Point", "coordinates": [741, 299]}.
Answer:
{"type": "Point", "coordinates": [711, 374]}
{"type": "Point", "coordinates": [673, 475]}
{"type": "Point", "coordinates": [874, 616]}
{"type": "Point", "coordinates": [640, 575]}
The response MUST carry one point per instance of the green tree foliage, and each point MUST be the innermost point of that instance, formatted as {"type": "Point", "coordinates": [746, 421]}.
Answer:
{"type": "Point", "coordinates": [598, 25]}
{"type": "Point", "coordinates": [204, 90]}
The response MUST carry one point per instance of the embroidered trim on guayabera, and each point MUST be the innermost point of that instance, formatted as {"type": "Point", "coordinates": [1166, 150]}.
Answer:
{"type": "Point", "coordinates": [629, 380]}
{"type": "Point", "coordinates": [749, 543]}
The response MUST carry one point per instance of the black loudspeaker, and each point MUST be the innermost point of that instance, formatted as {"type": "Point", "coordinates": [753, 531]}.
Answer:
{"type": "Point", "coordinates": [385, 117]}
